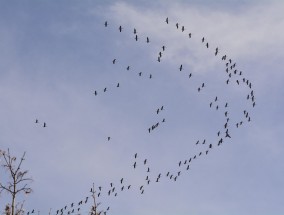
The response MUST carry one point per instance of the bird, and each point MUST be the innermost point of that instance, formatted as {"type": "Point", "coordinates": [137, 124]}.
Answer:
{"type": "Point", "coordinates": [105, 23]}
{"type": "Point", "coordinates": [113, 61]}
{"type": "Point", "coordinates": [121, 180]}
{"type": "Point", "coordinates": [134, 165]}
{"type": "Point", "coordinates": [202, 39]}
{"type": "Point", "coordinates": [44, 125]}
{"type": "Point", "coordinates": [180, 68]}
{"type": "Point", "coordinates": [189, 76]}
{"type": "Point", "coordinates": [140, 73]}
{"type": "Point", "coordinates": [182, 28]}
{"type": "Point", "coordinates": [117, 85]}
{"type": "Point", "coordinates": [207, 45]}
{"type": "Point", "coordinates": [134, 31]}
{"type": "Point", "coordinates": [189, 35]}
{"type": "Point", "coordinates": [105, 89]}
{"type": "Point", "coordinates": [177, 25]}
{"type": "Point", "coordinates": [167, 20]}
{"type": "Point", "coordinates": [135, 156]}
{"type": "Point", "coordinates": [145, 161]}
{"type": "Point", "coordinates": [95, 93]}
{"type": "Point", "coordinates": [36, 121]}
{"type": "Point", "coordinates": [216, 51]}
{"type": "Point", "coordinates": [150, 76]}
{"type": "Point", "coordinates": [108, 138]}
{"type": "Point", "coordinates": [148, 40]}
{"type": "Point", "coordinates": [163, 47]}
{"type": "Point", "coordinates": [128, 67]}
{"type": "Point", "coordinates": [120, 28]}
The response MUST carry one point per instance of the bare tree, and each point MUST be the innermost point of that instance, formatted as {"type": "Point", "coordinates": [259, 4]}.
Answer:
{"type": "Point", "coordinates": [17, 183]}
{"type": "Point", "coordinates": [95, 206]}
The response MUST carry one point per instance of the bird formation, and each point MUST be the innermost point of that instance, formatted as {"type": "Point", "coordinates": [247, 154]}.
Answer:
{"type": "Point", "coordinates": [223, 134]}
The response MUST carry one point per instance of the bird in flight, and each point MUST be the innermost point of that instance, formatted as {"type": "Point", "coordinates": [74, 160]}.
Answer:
{"type": "Point", "coordinates": [120, 28]}
{"type": "Point", "coordinates": [113, 61]}
{"type": "Point", "coordinates": [105, 23]}
{"type": "Point", "coordinates": [44, 125]}
{"type": "Point", "coordinates": [167, 20]}
{"type": "Point", "coordinates": [148, 40]}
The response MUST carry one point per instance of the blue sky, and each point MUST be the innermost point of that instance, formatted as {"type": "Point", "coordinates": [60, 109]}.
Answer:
{"type": "Point", "coordinates": [55, 54]}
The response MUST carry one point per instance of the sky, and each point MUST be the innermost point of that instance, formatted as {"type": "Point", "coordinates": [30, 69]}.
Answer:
{"type": "Point", "coordinates": [54, 57]}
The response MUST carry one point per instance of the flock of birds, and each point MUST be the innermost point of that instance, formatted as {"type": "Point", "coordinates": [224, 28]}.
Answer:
{"type": "Point", "coordinates": [233, 74]}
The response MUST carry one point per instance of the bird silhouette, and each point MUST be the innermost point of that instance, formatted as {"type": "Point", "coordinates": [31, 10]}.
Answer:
{"type": "Point", "coordinates": [167, 20]}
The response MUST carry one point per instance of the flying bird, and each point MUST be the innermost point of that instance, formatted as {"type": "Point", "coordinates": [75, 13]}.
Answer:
{"type": "Point", "coordinates": [167, 20]}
